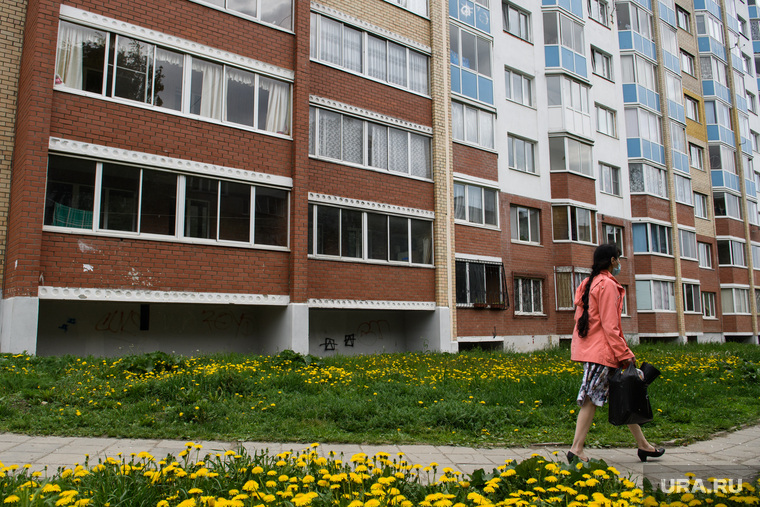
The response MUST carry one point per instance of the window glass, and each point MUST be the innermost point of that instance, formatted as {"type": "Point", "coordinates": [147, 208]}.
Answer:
{"type": "Point", "coordinates": [120, 191]}
{"type": "Point", "coordinates": [201, 198]}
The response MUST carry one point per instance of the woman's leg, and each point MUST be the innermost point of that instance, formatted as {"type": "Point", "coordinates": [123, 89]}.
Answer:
{"type": "Point", "coordinates": [582, 425]}
{"type": "Point", "coordinates": [641, 441]}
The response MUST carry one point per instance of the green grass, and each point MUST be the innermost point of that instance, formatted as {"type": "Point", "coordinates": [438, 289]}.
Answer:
{"type": "Point", "coordinates": [473, 398]}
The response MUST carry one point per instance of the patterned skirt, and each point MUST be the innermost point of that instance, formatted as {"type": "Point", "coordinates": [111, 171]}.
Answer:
{"type": "Point", "coordinates": [595, 385]}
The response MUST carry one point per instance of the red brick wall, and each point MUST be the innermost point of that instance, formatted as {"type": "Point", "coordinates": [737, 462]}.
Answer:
{"type": "Point", "coordinates": [474, 162]}
{"type": "Point", "coordinates": [648, 206]}
{"type": "Point", "coordinates": [658, 322]}
{"type": "Point", "coordinates": [478, 241]}
{"type": "Point", "coordinates": [378, 186]}
{"type": "Point", "coordinates": [729, 227]}
{"type": "Point", "coordinates": [30, 152]}
{"type": "Point", "coordinates": [654, 264]}
{"type": "Point", "coordinates": [685, 214]}
{"type": "Point", "coordinates": [567, 185]}
{"type": "Point", "coordinates": [354, 280]}
{"type": "Point", "coordinates": [150, 131]}
{"type": "Point", "coordinates": [153, 265]}
{"type": "Point", "coordinates": [330, 83]}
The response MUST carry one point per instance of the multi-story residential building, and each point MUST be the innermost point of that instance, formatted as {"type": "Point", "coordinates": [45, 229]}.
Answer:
{"type": "Point", "coordinates": [342, 176]}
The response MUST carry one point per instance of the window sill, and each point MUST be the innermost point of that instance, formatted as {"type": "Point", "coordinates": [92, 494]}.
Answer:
{"type": "Point", "coordinates": [399, 264]}
{"type": "Point", "coordinates": [494, 228]}
{"type": "Point", "coordinates": [526, 243]}
{"type": "Point", "coordinates": [590, 177]}
{"type": "Point", "coordinates": [656, 254]}
{"type": "Point", "coordinates": [524, 172]}
{"type": "Point", "coordinates": [529, 106]}
{"type": "Point", "coordinates": [610, 194]}
{"type": "Point", "coordinates": [608, 79]}
{"type": "Point", "coordinates": [541, 316]}
{"type": "Point", "coordinates": [518, 37]}
{"type": "Point", "coordinates": [473, 145]}
{"type": "Point", "coordinates": [164, 239]}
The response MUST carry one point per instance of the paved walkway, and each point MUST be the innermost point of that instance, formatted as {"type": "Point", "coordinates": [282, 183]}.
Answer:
{"type": "Point", "coordinates": [727, 455]}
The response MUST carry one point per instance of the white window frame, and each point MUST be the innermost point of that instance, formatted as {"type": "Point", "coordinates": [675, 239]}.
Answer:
{"type": "Point", "coordinates": [692, 299]}
{"type": "Point", "coordinates": [419, 86]}
{"type": "Point", "coordinates": [606, 120]}
{"type": "Point", "coordinates": [616, 232]}
{"type": "Point", "coordinates": [654, 234]}
{"type": "Point", "coordinates": [524, 29]}
{"type": "Point", "coordinates": [696, 157]}
{"type": "Point", "coordinates": [534, 217]}
{"type": "Point", "coordinates": [683, 19]}
{"type": "Point", "coordinates": [469, 191]}
{"type": "Point", "coordinates": [737, 255]}
{"type": "Point", "coordinates": [484, 137]}
{"type": "Point", "coordinates": [605, 59]}
{"type": "Point", "coordinates": [574, 214]}
{"type": "Point", "coordinates": [684, 194]}
{"type": "Point", "coordinates": [413, 170]}
{"type": "Point", "coordinates": [728, 298]}
{"type": "Point", "coordinates": [609, 178]}
{"type": "Point", "coordinates": [704, 251]}
{"type": "Point", "coordinates": [526, 87]}
{"type": "Point", "coordinates": [535, 284]}
{"type": "Point", "coordinates": [181, 217]}
{"type": "Point", "coordinates": [598, 10]}
{"type": "Point", "coordinates": [701, 206]}
{"type": "Point", "coordinates": [708, 305]}
{"type": "Point", "coordinates": [528, 147]}
{"type": "Point", "coordinates": [365, 256]}
{"type": "Point", "coordinates": [577, 275]}
{"type": "Point", "coordinates": [691, 108]}
{"type": "Point", "coordinates": [688, 243]}
{"type": "Point", "coordinates": [484, 265]}
{"type": "Point", "coordinates": [660, 294]}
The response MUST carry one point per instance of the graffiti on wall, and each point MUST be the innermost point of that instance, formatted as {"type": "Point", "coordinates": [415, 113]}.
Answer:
{"type": "Point", "coordinates": [119, 321]}
{"type": "Point", "coordinates": [227, 320]}
{"type": "Point", "coordinates": [366, 334]}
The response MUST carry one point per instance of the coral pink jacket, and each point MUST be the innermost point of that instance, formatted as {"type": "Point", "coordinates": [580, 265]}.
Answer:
{"type": "Point", "coordinates": [604, 343]}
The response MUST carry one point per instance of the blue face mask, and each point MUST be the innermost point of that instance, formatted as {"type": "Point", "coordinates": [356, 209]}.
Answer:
{"type": "Point", "coordinates": [616, 270]}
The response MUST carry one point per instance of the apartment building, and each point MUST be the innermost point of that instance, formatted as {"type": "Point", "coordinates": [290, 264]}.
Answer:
{"type": "Point", "coordinates": [343, 177]}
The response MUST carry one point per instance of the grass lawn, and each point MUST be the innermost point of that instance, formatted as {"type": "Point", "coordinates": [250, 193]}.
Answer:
{"type": "Point", "coordinates": [473, 398]}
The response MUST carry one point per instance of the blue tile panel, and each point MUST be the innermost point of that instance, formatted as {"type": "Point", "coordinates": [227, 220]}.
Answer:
{"type": "Point", "coordinates": [676, 111]}
{"type": "Point", "coordinates": [628, 39]}
{"type": "Point", "coordinates": [680, 161]}
{"type": "Point", "coordinates": [637, 94]}
{"type": "Point", "coordinates": [671, 62]}
{"type": "Point", "coordinates": [715, 89]}
{"type": "Point", "coordinates": [722, 134]}
{"type": "Point", "coordinates": [560, 56]}
{"type": "Point", "coordinates": [641, 148]}
{"type": "Point", "coordinates": [710, 6]}
{"type": "Point", "coordinates": [571, 6]}
{"type": "Point", "coordinates": [725, 179]}
{"type": "Point", "coordinates": [668, 15]}
{"type": "Point", "coordinates": [710, 45]}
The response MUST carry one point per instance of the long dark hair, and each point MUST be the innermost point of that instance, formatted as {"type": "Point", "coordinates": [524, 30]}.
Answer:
{"type": "Point", "coordinates": [603, 256]}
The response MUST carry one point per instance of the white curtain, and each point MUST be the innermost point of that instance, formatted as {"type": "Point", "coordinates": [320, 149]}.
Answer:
{"type": "Point", "coordinates": [398, 154]}
{"type": "Point", "coordinates": [420, 156]}
{"type": "Point", "coordinates": [418, 72]}
{"type": "Point", "coordinates": [396, 64]}
{"type": "Point", "coordinates": [71, 38]}
{"type": "Point", "coordinates": [329, 41]}
{"type": "Point", "coordinates": [471, 124]}
{"type": "Point", "coordinates": [277, 106]}
{"type": "Point", "coordinates": [457, 121]}
{"type": "Point", "coordinates": [212, 84]}
{"type": "Point", "coordinates": [329, 134]}
{"type": "Point", "coordinates": [352, 49]}
{"type": "Point", "coordinates": [376, 59]}
{"type": "Point", "coordinates": [378, 145]}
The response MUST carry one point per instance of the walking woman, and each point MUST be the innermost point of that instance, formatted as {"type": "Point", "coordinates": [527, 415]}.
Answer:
{"type": "Point", "coordinates": [598, 343]}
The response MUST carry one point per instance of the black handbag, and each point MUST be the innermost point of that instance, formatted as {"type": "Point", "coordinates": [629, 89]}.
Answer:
{"type": "Point", "coordinates": [628, 398]}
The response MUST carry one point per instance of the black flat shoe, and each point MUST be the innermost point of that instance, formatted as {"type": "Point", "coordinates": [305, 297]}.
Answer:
{"type": "Point", "coordinates": [643, 455]}
{"type": "Point", "coordinates": [572, 456]}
